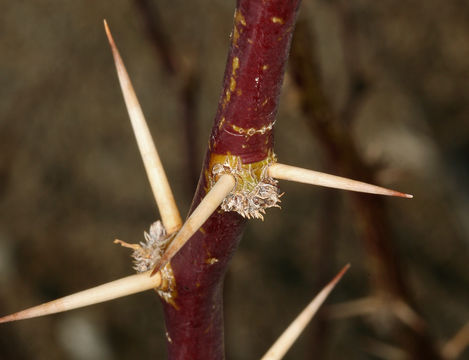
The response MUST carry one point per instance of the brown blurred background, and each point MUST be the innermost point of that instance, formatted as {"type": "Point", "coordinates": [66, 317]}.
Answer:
{"type": "Point", "coordinates": [375, 90]}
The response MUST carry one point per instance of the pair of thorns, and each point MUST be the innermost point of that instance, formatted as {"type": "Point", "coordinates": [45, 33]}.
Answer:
{"type": "Point", "coordinates": [171, 219]}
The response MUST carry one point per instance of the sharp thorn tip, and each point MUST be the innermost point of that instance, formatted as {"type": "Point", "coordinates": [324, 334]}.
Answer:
{"type": "Point", "coordinates": [403, 195]}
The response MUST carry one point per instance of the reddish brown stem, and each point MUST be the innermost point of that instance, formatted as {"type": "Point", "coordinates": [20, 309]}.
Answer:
{"type": "Point", "coordinates": [253, 78]}
{"type": "Point", "coordinates": [256, 62]}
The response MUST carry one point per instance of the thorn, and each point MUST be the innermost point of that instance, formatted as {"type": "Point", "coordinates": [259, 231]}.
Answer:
{"type": "Point", "coordinates": [289, 336]}
{"type": "Point", "coordinates": [127, 245]}
{"type": "Point", "coordinates": [382, 350]}
{"type": "Point", "coordinates": [155, 172]}
{"type": "Point", "coordinates": [207, 206]}
{"type": "Point", "coordinates": [378, 306]}
{"type": "Point", "coordinates": [407, 315]}
{"type": "Point", "coordinates": [109, 291]}
{"type": "Point", "coordinates": [457, 344]}
{"type": "Point", "coordinates": [293, 173]}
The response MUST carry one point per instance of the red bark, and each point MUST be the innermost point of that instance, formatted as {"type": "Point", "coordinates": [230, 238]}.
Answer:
{"type": "Point", "coordinates": [243, 127]}
{"type": "Point", "coordinates": [260, 41]}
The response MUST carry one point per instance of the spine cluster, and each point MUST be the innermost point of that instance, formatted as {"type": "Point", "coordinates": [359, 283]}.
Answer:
{"type": "Point", "coordinates": [254, 191]}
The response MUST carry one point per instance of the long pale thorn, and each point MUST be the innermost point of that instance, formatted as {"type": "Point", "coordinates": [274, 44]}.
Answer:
{"type": "Point", "coordinates": [293, 173]}
{"type": "Point", "coordinates": [384, 351]}
{"type": "Point", "coordinates": [202, 212]}
{"type": "Point", "coordinates": [289, 336]}
{"type": "Point", "coordinates": [156, 175]}
{"type": "Point", "coordinates": [456, 345]}
{"type": "Point", "coordinates": [109, 291]}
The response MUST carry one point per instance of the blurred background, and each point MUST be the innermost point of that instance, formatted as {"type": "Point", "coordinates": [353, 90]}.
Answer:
{"type": "Point", "coordinates": [377, 91]}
